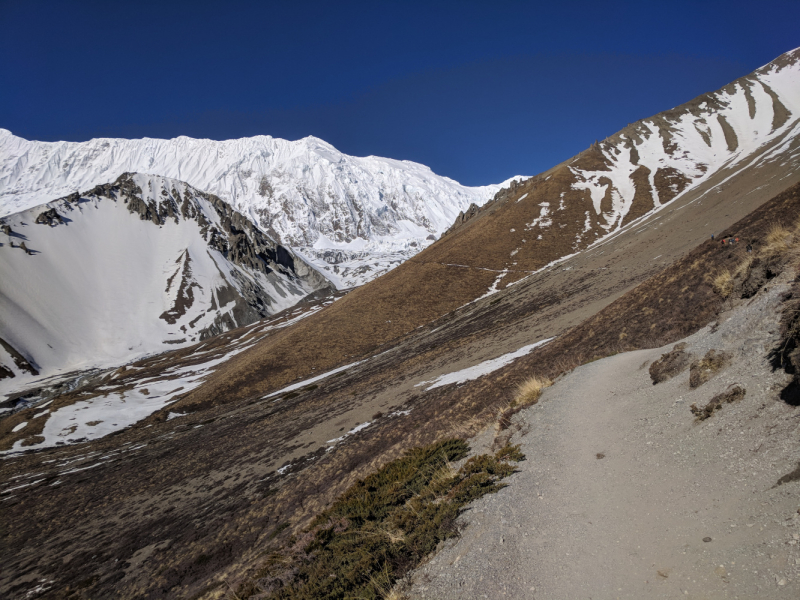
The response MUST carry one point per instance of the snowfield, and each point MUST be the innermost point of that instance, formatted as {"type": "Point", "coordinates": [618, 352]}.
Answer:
{"type": "Point", "coordinates": [97, 417]}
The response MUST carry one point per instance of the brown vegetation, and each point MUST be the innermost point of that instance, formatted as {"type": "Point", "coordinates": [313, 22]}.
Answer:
{"type": "Point", "coordinates": [382, 527]}
{"type": "Point", "coordinates": [704, 369]}
{"type": "Point", "coordinates": [529, 391]}
{"type": "Point", "coordinates": [670, 364]}
{"type": "Point", "coordinates": [734, 394]}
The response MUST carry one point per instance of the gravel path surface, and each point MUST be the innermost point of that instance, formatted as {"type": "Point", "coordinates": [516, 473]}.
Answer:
{"type": "Point", "coordinates": [624, 495]}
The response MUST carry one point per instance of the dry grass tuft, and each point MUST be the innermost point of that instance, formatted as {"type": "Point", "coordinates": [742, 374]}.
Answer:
{"type": "Point", "coordinates": [530, 390]}
{"type": "Point", "coordinates": [444, 474]}
{"type": "Point", "coordinates": [742, 270]}
{"type": "Point", "coordinates": [777, 240]}
{"type": "Point", "coordinates": [723, 283]}
{"type": "Point", "coordinates": [395, 536]}
{"type": "Point", "coordinates": [383, 586]}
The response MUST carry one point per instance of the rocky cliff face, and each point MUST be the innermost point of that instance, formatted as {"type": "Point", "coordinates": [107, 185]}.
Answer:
{"type": "Point", "coordinates": [132, 267]}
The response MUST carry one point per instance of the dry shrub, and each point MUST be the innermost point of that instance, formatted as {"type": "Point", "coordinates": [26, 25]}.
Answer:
{"type": "Point", "coordinates": [742, 270]}
{"type": "Point", "coordinates": [670, 364]}
{"type": "Point", "coordinates": [527, 394]}
{"type": "Point", "coordinates": [777, 240]}
{"type": "Point", "coordinates": [723, 283]}
{"type": "Point", "coordinates": [732, 395]}
{"type": "Point", "coordinates": [504, 415]}
{"type": "Point", "coordinates": [704, 369]}
{"type": "Point", "coordinates": [529, 391]}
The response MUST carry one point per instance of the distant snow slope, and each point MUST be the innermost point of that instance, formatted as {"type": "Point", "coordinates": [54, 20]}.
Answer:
{"type": "Point", "coordinates": [139, 266]}
{"type": "Point", "coordinates": [306, 194]}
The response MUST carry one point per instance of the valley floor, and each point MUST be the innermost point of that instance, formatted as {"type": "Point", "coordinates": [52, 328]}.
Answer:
{"type": "Point", "coordinates": [625, 495]}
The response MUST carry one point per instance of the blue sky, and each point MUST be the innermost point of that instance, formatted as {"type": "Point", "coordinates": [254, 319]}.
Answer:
{"type": "Point", "coordinates": [479, 91]}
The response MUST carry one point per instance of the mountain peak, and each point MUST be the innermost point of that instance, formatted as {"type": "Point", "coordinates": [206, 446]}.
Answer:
{"type": "Point", "coordinates": [304, 193]}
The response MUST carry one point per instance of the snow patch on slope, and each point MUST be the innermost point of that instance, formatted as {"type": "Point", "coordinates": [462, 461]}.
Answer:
{"type": "Point", "coordinates": [480, 369]}
{"type": "Point", "coordinates": [99, 416]}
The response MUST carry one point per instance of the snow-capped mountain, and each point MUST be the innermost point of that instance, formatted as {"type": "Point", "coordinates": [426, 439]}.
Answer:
{"type": "Point", "coordinates": [138, 266]}
{"type": "Point", "coordinates": [352, 217]}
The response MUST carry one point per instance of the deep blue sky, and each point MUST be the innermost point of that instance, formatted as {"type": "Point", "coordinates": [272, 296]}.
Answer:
{"type": "Point", "coordinates": [479, 91]}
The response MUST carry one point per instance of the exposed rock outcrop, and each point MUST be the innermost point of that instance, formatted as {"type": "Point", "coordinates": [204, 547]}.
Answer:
{"type": "Point", "coordinates": [49, 217]}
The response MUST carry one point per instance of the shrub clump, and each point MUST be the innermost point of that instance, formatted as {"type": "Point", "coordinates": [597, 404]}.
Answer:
{"type": "Point", "coordinates": [670, 364]}
{"type": "Point", "coordinates": [779, 239]}
{"type": "Point", "coordinates": [723, 283]}
{"type": "Point", "coordinates": [384, 526]}
{"type": "Point", "coordinates": [529, 391]}
{"type": "Point", "coordinates": [702, 370]}
{"type": "Point", "coordinates": [732, 395]}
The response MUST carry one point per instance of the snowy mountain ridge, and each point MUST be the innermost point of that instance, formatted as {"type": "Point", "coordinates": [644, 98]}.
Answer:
{"type": "Point", "coordinates": [304, 194]}
{"type": "Point", "coordinates": [134, 267]}
{"type": "Point", "coordinates": [752, 120]}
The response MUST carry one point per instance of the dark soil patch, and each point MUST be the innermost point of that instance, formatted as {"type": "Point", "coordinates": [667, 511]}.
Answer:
{"type": "Point", "coordinates": [791, 394]}
{"type": "Point", "coordinates": [786, 354]}
{"type": "Point", "coordinates": [789, 477]}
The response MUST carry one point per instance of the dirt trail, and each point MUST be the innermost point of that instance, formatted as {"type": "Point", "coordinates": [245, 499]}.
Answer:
{"type": "Point", "coordinates": [632, 523]}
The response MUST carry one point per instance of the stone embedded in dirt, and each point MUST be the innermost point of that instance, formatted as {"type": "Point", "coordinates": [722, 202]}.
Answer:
{"type": "Point", "coordinates": [600, 455]}
{"type": "Point", "coordinates": [789, 477]}
{"type": "Point", "coordinates": [704, 369]}
{"type": "Point", "coordinates": [706, 539]}
{"type": "Point", "coordinates": [732, 395]}
{"type": "Point", "coordinates": [670, 364]}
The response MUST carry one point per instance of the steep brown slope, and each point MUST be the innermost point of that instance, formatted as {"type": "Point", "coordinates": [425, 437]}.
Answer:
{"type": "Point", "coordinates": [682, 298]}
{"type": "Point", "coordinates": [599, 193]}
